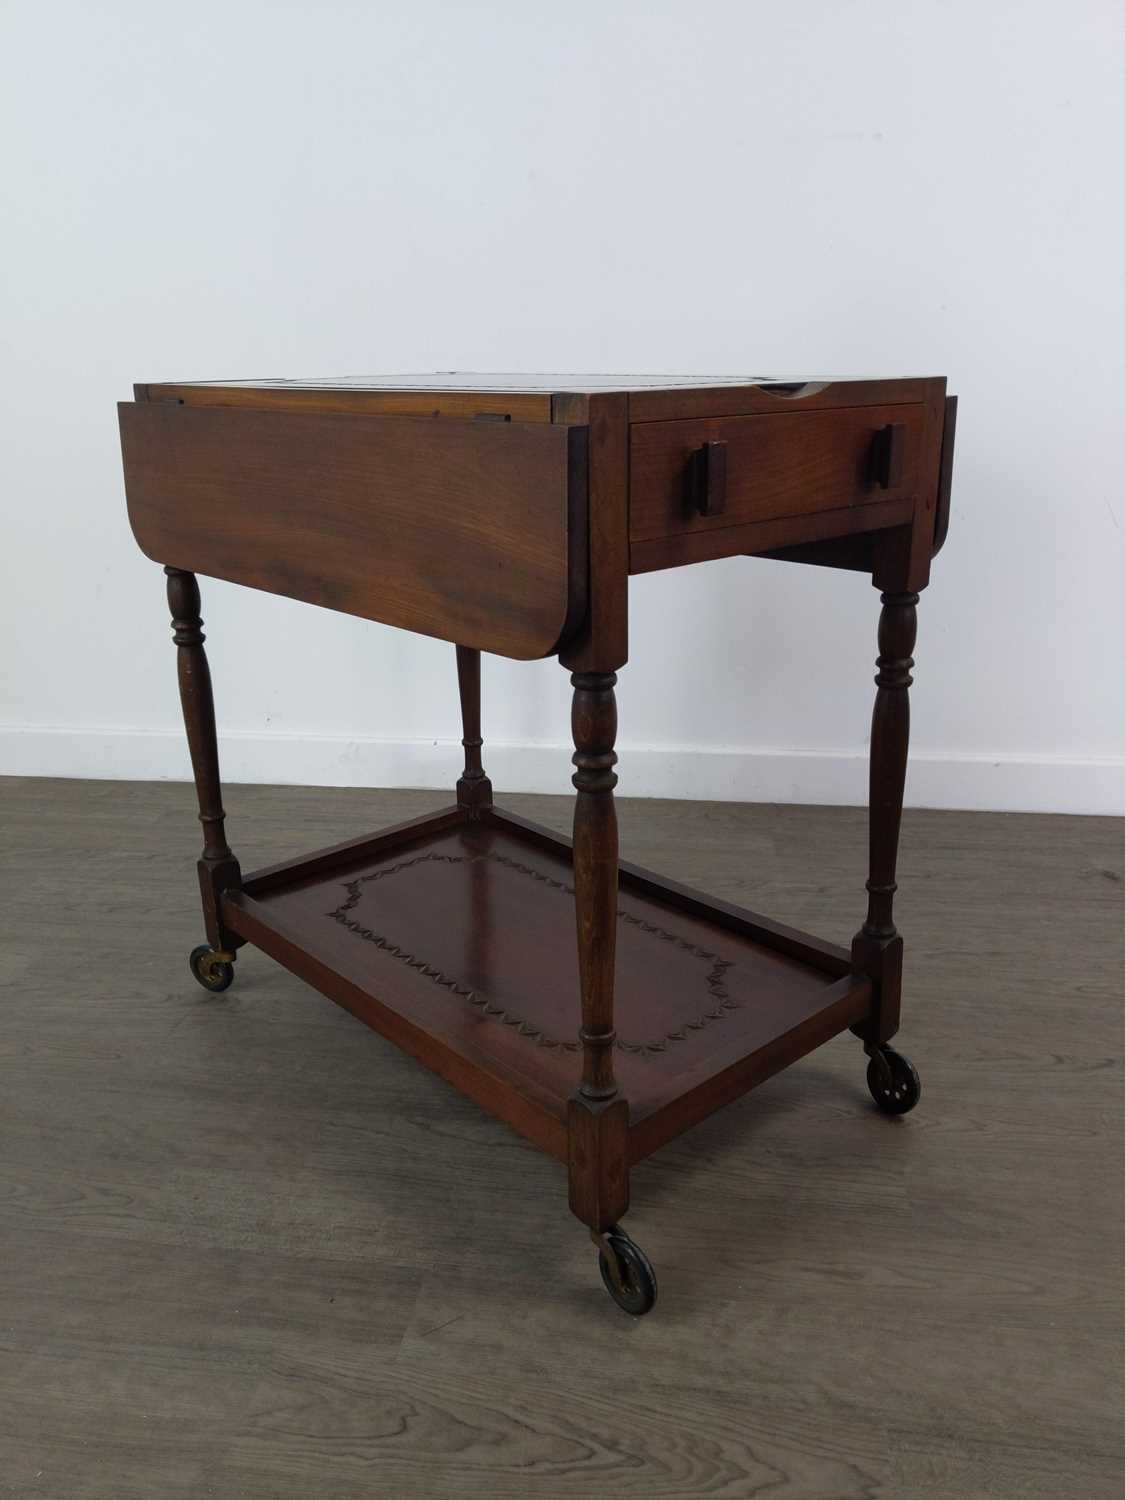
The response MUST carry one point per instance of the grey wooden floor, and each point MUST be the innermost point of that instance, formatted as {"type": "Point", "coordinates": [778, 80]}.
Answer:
{"type": "Point", "coordinates": [250, 1250]}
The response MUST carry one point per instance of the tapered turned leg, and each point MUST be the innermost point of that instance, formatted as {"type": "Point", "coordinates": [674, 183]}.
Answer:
{"type": "Point", "coordinates": [218, 868]}
{"type": "Point", "coordinates": [599, 1180]}
{"type": "Point", "coordinates": [594, 724]}
{"type": "Point", "coordinates": [877, 947]}
{"type": "Point", "coordinates": [474, 790]}
{"type": "Point", "coordinates": [599, 1116]}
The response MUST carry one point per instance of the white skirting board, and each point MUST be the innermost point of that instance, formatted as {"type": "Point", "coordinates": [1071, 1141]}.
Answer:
{"type": "Point", "coordinates": [839, 778]}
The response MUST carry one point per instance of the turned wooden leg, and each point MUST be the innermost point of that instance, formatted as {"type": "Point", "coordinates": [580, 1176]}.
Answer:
{"type": "Point", "coordinates": [474, 790]}
{"type": "Point", "coordinates": [218, 868]}
{"type": "Point", "coordinates": [877, 947]}
{"type": "Point", "coordinates": [599, 1179]}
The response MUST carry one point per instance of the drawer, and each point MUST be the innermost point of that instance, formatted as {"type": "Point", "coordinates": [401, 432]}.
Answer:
{"type": "Point", "coordinates": [767, 467]}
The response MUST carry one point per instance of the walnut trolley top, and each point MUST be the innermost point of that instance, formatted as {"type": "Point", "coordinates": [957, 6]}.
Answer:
{"type": "Point", "coordinates": [597, 1008]}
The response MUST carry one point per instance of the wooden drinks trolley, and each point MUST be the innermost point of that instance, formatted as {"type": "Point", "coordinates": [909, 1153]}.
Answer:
{"type": "Point", "coordinates": [506, 514]}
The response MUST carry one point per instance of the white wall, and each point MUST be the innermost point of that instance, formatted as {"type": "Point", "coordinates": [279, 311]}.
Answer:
{"type": "Point", "coordinates": [812, 189]}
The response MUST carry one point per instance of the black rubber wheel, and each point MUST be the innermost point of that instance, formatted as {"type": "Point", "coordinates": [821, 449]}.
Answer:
{"type": "Point", "coordinates": [214, 975]}
{"type": "Point", "coordinates": [893, 1081]}
{"type": "Point", "coordinates": [637, 1294]}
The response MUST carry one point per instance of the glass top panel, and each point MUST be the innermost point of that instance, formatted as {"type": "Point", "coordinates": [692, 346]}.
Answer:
{"type": "Point", "coordinates": [457, 380]}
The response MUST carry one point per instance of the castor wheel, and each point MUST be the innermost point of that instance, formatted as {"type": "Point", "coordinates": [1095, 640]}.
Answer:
{"type": "Point", "coordinates": [893, 1081]}
{"type": "Point", "coordinates": [628, 1277]}
{"type": "Point", "coordinates": [214, 971]}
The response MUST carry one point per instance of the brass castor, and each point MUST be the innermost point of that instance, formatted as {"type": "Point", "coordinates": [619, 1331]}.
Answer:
{"type": "Point", "coordinates": [628, 1276]}
{"type": "Point", "coordinates": [893, 1081]}
{"type": "Point", "coordinates": [214, 971]}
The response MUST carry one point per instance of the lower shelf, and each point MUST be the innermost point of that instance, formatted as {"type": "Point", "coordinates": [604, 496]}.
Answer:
{"type": "Point", "coordinates": [456, 939]}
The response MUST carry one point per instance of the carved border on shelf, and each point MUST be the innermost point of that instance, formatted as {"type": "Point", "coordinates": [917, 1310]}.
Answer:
{"type": "Point", "coordinates": [724, 1001]}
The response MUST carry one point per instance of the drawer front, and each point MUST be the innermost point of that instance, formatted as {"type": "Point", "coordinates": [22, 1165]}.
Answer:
{"type": "Point", "coordinates": [789, 464]}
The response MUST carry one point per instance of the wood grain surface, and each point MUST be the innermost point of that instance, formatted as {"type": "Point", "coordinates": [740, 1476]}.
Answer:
{"type": "Point", "coordinates": [474, 532]}
{"type": "Point", "coordinates": [354, 400]}
{"type": "Point", "coordinates": [251, 1250]}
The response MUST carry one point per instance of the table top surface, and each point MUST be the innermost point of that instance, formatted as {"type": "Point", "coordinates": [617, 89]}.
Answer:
{"type": "Point", "coordinates": [486, 523]}
{"type": "Point", "coordinates": [470, 380]}
{"type": "Point", "coordinates": [565, 399]}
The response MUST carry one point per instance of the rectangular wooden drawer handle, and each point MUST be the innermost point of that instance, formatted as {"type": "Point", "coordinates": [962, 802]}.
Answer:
{"type": "Point", "coordinates": [888, 450]}
{"type": "Point", "coordinates": [707, 479]}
